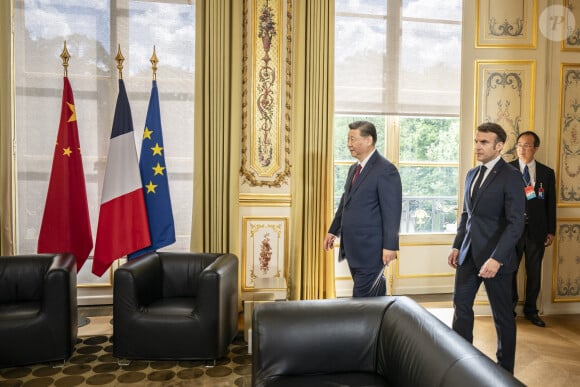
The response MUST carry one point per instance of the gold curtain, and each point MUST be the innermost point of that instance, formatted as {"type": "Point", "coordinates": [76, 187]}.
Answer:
{"type": "Point", "coordinates": [6, 202]}
{"type": "Point", "coordinates": [311, 269]}
{"type": "Point", "coordinates": [218, 122]}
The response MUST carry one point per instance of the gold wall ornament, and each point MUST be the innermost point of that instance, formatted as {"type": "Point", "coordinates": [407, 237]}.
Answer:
{"type": "Point", "coordinates": [506, 24]}
{"type": "Point", "coordinates": [566, 273]}
{"type": "Point", "coordinates": [568, 181]}
{"type": "Point", "coordinates": [264, 252]}
{"type": "Point", "coordinates": [119, 59]}
{"type": "Point", "coordinates": [505, 95]}
{"type": "Point", "coordinates": [65, 56]}
{"type": "Point", "coordinates": [266, 105]}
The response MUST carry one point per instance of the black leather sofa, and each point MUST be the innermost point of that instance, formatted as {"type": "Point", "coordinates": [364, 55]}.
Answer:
{"type": "Point", "coordinates": [38, 309]}
{"type": "Point", "coordinates": [382, 341]}
{"type": "Point", "coordinates": [175, 306]}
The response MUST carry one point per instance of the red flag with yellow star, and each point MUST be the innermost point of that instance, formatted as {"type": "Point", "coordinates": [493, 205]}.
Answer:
{"type": "Point", "coordinates": [66, 226]}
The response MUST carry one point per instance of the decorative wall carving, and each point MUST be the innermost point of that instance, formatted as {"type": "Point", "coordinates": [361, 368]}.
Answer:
{"type": "Point", "coordinates": [264, 252]}
{"type": "Point", "coordinates": [505, 96]}
{"type": "Point", "coordinates": [503, 23]}
{"type": "Point", "coordinates": [566, 286]}
{"type": "Point", "coordinates": [569, 162]}
{"type": "Point", "coordinates": [266, 80]}
{"type": "Point", "coordinates": [572, 41]}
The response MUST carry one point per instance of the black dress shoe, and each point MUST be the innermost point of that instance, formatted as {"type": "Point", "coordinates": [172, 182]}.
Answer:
{"type": "Point", "coordinates": [536, 320]}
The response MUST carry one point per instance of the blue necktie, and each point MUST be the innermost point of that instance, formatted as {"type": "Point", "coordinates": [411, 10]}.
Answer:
{"type": "Point", "coordinates": [527, 178]}
{"type": "Point", "coordinates": [478, 182]}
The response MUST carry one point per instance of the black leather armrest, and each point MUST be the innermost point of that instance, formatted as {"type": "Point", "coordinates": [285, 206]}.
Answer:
{"type": "Point", "coordinates": [61, 278]}
{"type": "Point", "coordinates": [59, 301]}
{"type": "Point", "coordinates": [218, 284]}
{"type": "Point", "coordinates": [138, 282]}
{"type": "Point", "coordinates": [316, 337]}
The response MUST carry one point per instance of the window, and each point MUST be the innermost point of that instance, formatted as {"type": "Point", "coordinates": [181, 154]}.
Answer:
{"type": "Point", "coordinates": [397, 64]}
{"type": "Point", "coordinates": [93, 31]}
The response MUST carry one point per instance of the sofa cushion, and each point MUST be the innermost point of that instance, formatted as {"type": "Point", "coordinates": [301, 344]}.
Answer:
{"type": "Point", "coordinates": [351, 379]}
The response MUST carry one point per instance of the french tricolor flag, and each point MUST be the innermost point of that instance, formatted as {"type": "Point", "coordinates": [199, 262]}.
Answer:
{"type": "Point", "coordinates": [123, 227]}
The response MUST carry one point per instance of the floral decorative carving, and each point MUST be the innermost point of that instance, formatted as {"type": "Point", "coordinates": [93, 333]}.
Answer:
{"type": "Point", "coordinates": [265, 158]}
{"type": "Point", "coordinates": [568, 262]}
{"type": "Point", "coordinates": [569, 191]}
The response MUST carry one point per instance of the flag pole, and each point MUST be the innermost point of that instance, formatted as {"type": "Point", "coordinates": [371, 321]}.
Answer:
{"type": "Point", "coordinates": [154, 62]}
{"type": "Point", "coordinates": [119, 59]}
{"type": "Point", "coordinates": [65, 56]}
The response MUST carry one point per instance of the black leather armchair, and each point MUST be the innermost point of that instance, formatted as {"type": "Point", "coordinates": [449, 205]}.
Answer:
{"type": "Point", "coordinates": [379, 341]}
{"type": "Point", "coordinates": [38, 308]}
{"type": "Point", "coordinates": [172, 306]}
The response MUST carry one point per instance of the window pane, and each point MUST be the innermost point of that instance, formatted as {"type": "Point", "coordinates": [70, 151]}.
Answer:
{"type": "Point", "coordinates": [430, 68]}
{"type": "Point", "coordinates": [370, 7]}
{"type": "Point", "coordinates": [93, 32]}
{"type": "Point", "coordinates": [429, 181]}
{"type": "Point", "coordinates": [360, 64]}
{"type": "Point", "coordinates": [429, 140]}
{"type": "Point", "coordinates": [428, 215]}
{"type": "Point", "coordinates": [429, 9]}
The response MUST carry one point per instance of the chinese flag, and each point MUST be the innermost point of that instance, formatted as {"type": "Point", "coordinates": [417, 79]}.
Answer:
{"type": "Point", "coordinates": [66, 226]}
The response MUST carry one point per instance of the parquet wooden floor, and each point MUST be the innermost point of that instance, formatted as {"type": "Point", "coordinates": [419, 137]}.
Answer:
{"type": "Point", "coordinates": [545, 357]}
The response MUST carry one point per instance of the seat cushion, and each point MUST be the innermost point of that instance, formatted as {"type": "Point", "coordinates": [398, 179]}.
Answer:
{"type": "Point", "coordinates": [175, 306]}
{"type": "Point", "coordinates": [353, 379]}
{"type": "Point", "coordinates": [19, 310]}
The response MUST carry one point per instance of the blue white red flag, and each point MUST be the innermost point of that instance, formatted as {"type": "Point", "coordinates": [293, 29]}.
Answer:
{"type": "Point", "coordinates": [123, 226]}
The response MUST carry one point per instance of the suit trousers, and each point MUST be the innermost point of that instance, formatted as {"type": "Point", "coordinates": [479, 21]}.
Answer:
{"type": "Point", "coordinates": [368, 282]}
{"type": "Point", "coordinates": [499, 293]}
{"type": "Point", "coordinates": [533, 249]}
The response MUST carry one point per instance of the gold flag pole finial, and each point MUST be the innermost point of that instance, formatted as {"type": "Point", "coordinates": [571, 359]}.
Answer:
{"type": "Point", "coordinates": [119, 59]}
{"type": "Point", "coordinates": [154, 62]}
{"type": "Point", "coordinates": [65, 57]}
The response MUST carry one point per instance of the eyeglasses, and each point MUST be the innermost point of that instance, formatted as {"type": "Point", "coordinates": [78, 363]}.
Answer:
{"type": "Point", "coordinates": [525, 146]}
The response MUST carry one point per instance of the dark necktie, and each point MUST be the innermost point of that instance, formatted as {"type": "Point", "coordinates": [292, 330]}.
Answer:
{"type": "Point", "coordinates": [482, 170]}
{"type": "Point", "coordinates": [356, 173]}
{"type": "Point", "coordinates": [527, 178]}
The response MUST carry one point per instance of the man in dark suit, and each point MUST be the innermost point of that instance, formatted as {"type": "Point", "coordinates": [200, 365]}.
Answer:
{"type": "Point", "coordinates": [540, 228]}
{"type": "Point", "coordinates": [369, 215]}
{"type": "Point", "coordinates": [484, 249]}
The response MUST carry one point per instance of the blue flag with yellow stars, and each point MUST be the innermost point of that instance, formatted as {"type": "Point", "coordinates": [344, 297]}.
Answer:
{"type": "Point", "coordinates": [155, 181]}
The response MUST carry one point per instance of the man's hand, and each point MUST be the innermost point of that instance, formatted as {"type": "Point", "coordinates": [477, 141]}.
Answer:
{"type": "Point", "coordinates": [489, 268]}
{"type": "Point", "coordinates": [549, 240]}
{"type": "Point", "coordinates": [452, 259]}
{"type": "Point", "coordinates": [329, 241]}
{"type": "Point", "coordinates": [389, 256]}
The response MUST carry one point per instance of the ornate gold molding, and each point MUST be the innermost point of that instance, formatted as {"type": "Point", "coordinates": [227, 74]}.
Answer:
{"type": "Point", "coordinates": [267, 100]}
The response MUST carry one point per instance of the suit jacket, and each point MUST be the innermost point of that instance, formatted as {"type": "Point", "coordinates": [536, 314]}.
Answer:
{"type": "Point", "coordinates": [541, 213]}
{"type": "Point", "coordinates": [369, 214]}
{"type": "Point", "coordinates": [492, 225]}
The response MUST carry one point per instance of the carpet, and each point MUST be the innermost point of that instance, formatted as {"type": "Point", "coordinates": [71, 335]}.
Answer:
{"type": "Point", "coordinates": [92, 364]}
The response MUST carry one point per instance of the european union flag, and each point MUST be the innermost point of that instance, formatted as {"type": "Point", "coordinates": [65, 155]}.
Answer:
{"type": "Point", "coordinates": [155, 181]}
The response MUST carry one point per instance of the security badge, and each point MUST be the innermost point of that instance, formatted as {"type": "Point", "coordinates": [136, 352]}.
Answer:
{"type": "Point", "coordinates": [530, 193]}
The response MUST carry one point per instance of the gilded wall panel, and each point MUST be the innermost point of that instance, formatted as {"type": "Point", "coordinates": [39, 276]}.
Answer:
{"type": "Point", "coordinates": [569, 159]}
{"type": "Point", "coordinates": [572, 16]}
{"type": "Point", "coordinates": [505, 93]}
{"type": "Point", "coordinates": [566, 282]}
{"type": "Point", "coordinates": [506, 23]}
{"type": "Point", "coordinates": [264, 252]}
{"type": "Point", "coordinates": [266, 80]}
